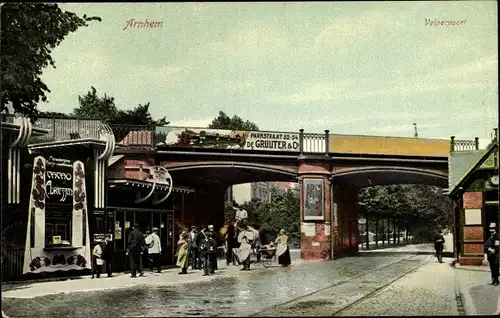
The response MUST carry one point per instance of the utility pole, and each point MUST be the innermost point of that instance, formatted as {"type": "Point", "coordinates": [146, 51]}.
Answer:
{"type": "Point", "coordinates": [415, 134]}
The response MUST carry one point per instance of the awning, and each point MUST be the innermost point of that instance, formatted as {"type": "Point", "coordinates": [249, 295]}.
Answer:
{"type": "Point", "coordinates": [67, 145]}
{"type": "Point", "coordinates": [133, 183]}
{"type": "Point", "coordinates": [14, 128]}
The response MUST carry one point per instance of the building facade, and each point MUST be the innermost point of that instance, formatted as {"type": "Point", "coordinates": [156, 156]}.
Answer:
{"type": "Point", "coordinates": [474, 192]}
{"type": "Point", "coordinates": [245, 192]}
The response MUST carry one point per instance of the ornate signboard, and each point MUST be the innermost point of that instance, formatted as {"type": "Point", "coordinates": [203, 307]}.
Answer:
{"type": "Point", "coordinates": [314, 208]}
{"type": "Point", "coordinates": [226, 139]}
{"type": "Point", "coordinates": [58, 234]}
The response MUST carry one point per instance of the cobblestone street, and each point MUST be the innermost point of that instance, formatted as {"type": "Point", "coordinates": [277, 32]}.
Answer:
{"type": "Point", "coordinates": [421, 287]}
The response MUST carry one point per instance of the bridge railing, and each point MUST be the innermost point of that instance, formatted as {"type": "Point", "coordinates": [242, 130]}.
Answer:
{"type": "Point", "coordinates": [463, 145]}
{"type": "Point", "coordinates": [313, 143]}
{"type": "Point", "coordinates": [142, 136]}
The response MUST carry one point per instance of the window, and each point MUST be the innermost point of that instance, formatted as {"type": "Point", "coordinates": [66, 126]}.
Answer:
{"type": "Point", "coordinates": [119, 230]}
{"type": "Point", "coordinates": [57, 227]}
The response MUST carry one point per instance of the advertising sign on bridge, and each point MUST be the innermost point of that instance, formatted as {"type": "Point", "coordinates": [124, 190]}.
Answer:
{"type": "Point", "coordinates": [226, 139]}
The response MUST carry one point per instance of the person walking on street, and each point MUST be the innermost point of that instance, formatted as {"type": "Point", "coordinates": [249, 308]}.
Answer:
{"type": "Point", "coordinates": [492, 247]}
{"type": "Point", "coordinates": [135, 244]}
{"type": "Point", "coordinates": [183, 252]}
{"type": "Point", "coordinates": [154, 249]}
{"type": "Point", "coordinates": [439, 245]}
{"type": "Point", "coordinates": [97, 260]}
{"type": "Point", "coordinates": [107, 254]}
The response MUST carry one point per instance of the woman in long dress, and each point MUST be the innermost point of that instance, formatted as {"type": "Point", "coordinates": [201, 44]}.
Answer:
{"type": "Point", "coordinates": [183, 253]}
{"type": "Point", "coordinates": [282, 250]}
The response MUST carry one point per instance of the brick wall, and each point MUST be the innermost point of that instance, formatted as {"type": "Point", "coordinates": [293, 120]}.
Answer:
{"type": "Point", "coordinates": [473, 200]}
{"type": "Point", "coordinates": [473, 233]}
{"type": "Point", "coordinates": [473, 248]}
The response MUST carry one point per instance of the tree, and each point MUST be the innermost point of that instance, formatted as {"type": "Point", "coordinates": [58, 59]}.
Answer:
{"type": "Point", "coordinates": [140, 115]}
{"type": "Point", "coordinates": [104, 108]}
{"type": "Point", "coordinates": [29, 32]}
{"type": "Point", "coordinates": [424, 207]}
{"type": "Point", "coordinates": [53, 114]}
{"type": "Point", "coordinates": [223, 121]}
{"type": "Point", "coordinates": [94, 107]}
{"type": "Point", "coordinates": [282, 212]}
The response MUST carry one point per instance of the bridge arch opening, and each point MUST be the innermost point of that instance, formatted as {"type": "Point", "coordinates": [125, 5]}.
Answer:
{"type": "Point", "coordinates": [212, 176]}
{"type": "Point", "coordinates": [370, 176]}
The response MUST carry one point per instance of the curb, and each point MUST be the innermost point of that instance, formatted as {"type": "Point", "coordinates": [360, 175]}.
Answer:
{"type": "Point", "coordinates": [465, 304]}
{"type": "Point", "coordinates": [468, 302]}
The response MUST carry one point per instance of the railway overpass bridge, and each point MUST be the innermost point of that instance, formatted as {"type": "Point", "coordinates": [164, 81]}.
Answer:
{"type": "Point", "coordinates": [330, 168]}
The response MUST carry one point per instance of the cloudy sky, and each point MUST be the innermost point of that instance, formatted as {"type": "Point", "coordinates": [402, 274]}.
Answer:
{"type": "Point", "coordinates": [371, 68]}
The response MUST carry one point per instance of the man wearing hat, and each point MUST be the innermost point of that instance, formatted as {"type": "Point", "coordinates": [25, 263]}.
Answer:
{"type": "Point", "coordinates": [154, 249]}
{"type": "Point", "coordinates": [193, 247]}
{"type": "Point", "coordinates": [135, 246]}
{"type": "Point", "coordinates": [492, 247]}
{"type": "Point", "coordinates": [439, 244]}
{"type": "Point", "coordinates": [214, 235]}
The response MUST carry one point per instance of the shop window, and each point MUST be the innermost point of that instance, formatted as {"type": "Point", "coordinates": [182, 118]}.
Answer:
{"type": "Point", "coordinates": [57, 227]}
{"type": "Point", "coordinates": [119, 230]}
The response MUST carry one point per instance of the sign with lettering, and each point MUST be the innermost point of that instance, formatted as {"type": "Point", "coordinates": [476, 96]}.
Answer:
{"type": "Point", "coordinates": [226, 139]}
{"type": "Point", "coordinates": [59, 181]}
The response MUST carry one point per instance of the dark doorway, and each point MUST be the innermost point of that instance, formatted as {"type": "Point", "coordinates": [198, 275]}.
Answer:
{"type": "Point", "coordinates": [124, 220]}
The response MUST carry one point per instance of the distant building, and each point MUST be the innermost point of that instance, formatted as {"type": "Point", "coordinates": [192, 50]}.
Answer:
{"type": "Point", "coordinates": [245, 192]}
{"type": "Point", "coordinates": [283, 185]}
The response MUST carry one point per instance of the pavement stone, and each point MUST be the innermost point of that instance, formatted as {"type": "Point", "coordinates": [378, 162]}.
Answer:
{"type": "Point", "coordinates": [122, 280]}
{"type": "Point", "coordinates": [427, 292]}
{"type": "Point", "coordinates": [239, 295]}
{"type": "Point", "coordinates": [479, 297]}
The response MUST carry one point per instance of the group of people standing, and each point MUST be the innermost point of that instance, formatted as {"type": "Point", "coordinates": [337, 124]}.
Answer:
{"type": "Point", "coordinates": [241, 240]}
{"type": "Point", "coordinates": [198, 247]}
{"type": "Point", "coordinates": [141, 249]}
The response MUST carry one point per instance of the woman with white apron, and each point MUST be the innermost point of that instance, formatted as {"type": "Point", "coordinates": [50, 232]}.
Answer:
{"type": "Point", "coordinates": [246, 238]}
{"type": "Point", "coordinates": [282, 250]}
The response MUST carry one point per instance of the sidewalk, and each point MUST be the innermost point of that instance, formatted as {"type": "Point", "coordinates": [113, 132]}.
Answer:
{"type": "Point", "coordinates": [478, 296]}
{"type": "Point", "coordinates": [122, 280]}
{"type": "Point", "coordinates": [410, 248]}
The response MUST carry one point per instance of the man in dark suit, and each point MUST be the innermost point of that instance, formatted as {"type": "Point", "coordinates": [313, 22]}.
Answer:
{"type": "Point", "coordinates": [193, 247]}
{"type": "Point", "coordinates": [492, 249]}
{"type": "Point", "coordinates": [136, 243]}
{"type": "Point", "coordinates": [107, 253]}
{"type": "Point", "coordinates": [215, 237]}
{"type": "Point", "coordinates": [439, 244]}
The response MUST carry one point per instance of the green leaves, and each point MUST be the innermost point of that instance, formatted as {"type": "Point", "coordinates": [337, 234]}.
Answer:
{"type": "Point", "coordinates": [223, 121]}
{"type": "Point", "coordinates": [282, 212]}
{"type": "Point", "coordinates": [414, 203]}
{"type": "Point", "coordinates": [29, 32]}
{"type": "Point", "coordinates": [104, 108]}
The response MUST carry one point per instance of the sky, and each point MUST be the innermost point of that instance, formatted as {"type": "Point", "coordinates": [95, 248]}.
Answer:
{"type": "Point", "coordinates": [363, 68]}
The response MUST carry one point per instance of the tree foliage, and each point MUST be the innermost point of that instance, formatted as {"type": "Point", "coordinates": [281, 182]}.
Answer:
{"type": "Point", "coordinates": [103, 108]}
{"type": "Point", "coordinates": [282, 212]}
{"type": "Point", "coordinates": [223, 121]}
{"type": "Point", "coordinates": [420, 206]}
{"type": "Point", "coordinates": [29, 33]}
